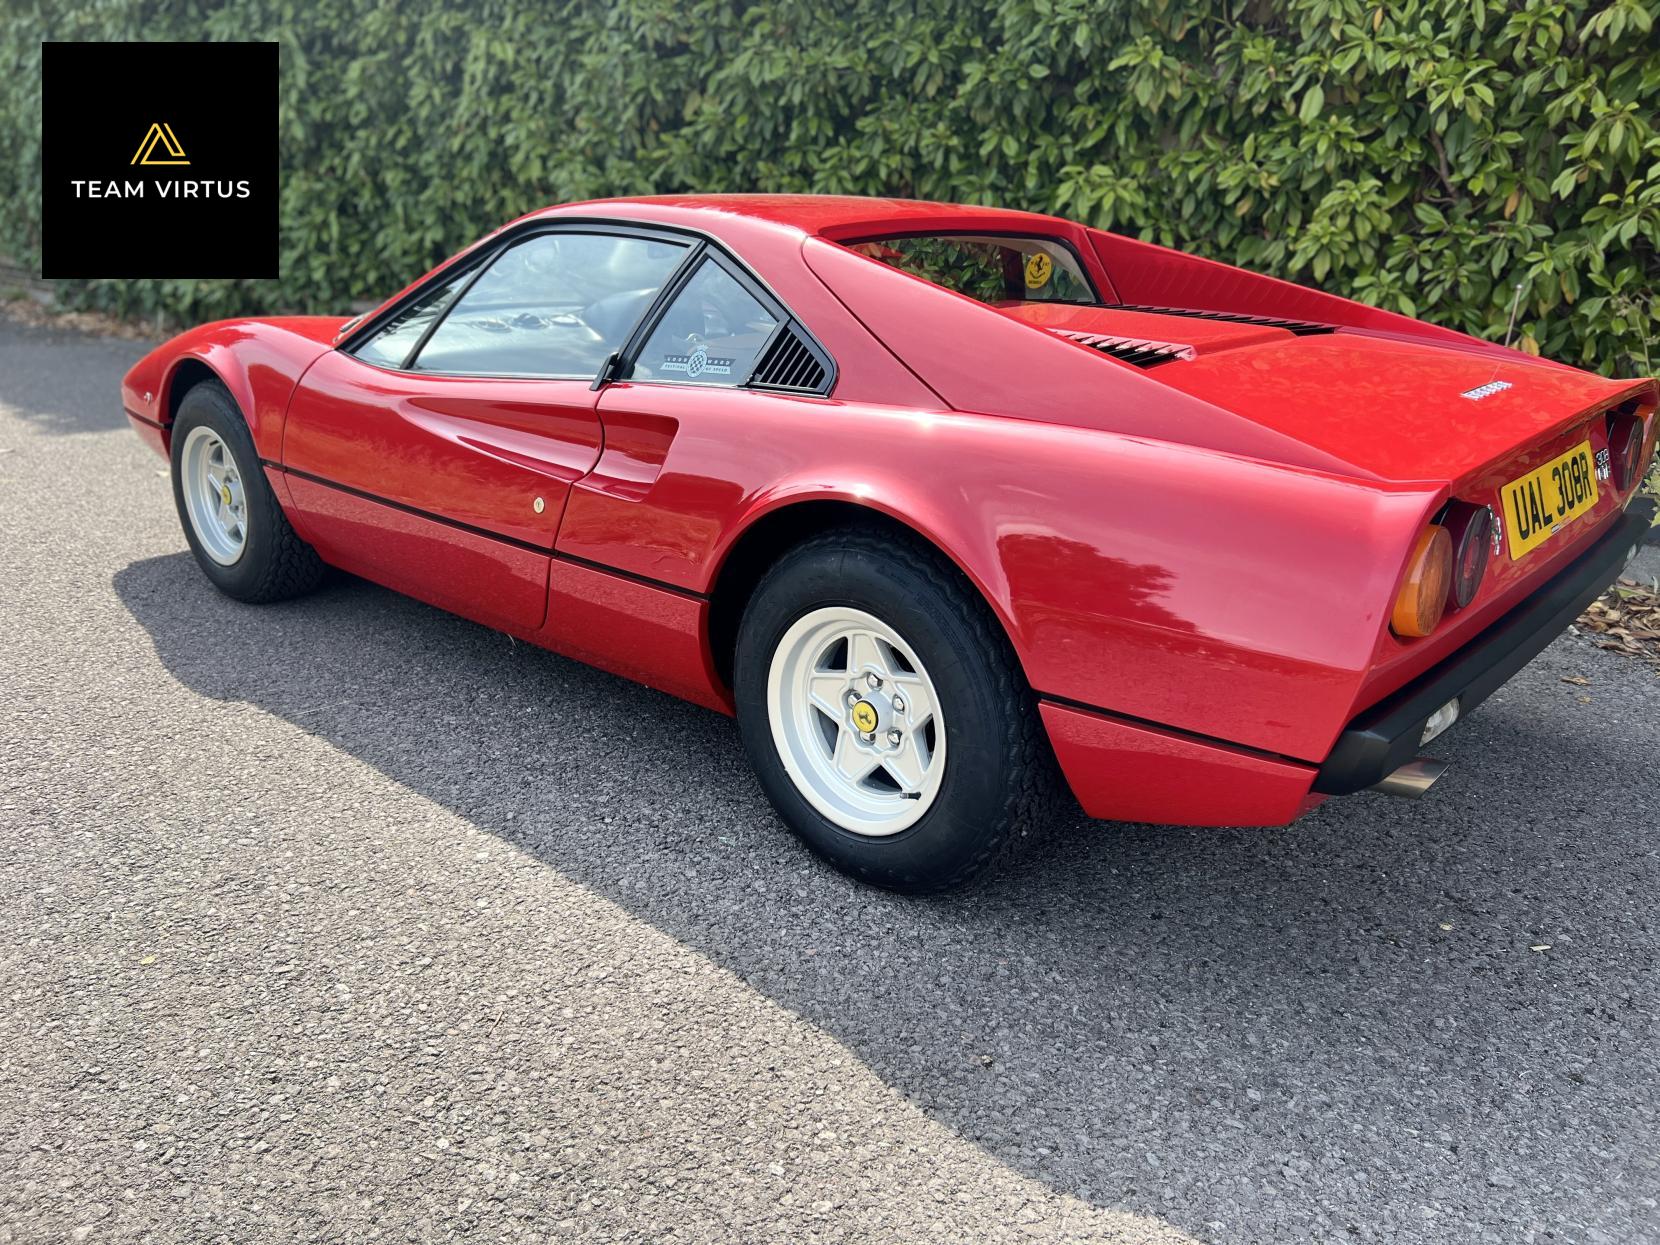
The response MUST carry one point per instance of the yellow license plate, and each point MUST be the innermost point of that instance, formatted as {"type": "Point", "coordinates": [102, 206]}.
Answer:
{"type": "Point", "coordinates": [1548, 498]}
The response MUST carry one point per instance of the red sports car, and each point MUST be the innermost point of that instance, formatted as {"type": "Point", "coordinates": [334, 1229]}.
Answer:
{"type": "Point", "coordinates": [943, 503]}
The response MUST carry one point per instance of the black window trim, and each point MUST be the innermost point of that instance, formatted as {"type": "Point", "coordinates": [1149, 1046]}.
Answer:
{"type": "Point", "coordinates": [472, 264]}
{"type": "Point", "coordinates": [1063, 243]}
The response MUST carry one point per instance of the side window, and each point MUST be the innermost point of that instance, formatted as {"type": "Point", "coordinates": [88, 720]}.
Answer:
{"type": "Point", "coordinates": [710, 334]}
{"type": "Point", "coordinates": [553, 305]}
{"type": "Point", "coordinates": [391, 346]}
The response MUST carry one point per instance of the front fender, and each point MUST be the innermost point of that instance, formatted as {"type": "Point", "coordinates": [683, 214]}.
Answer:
{"type": "Point", "coordinates": [259, 361]}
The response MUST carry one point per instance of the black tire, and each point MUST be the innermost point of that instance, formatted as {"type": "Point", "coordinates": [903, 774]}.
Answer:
{"type": "Point", "coordinates": [1000, 782]}
{"type": "Point", "coordinates": [275, 563]}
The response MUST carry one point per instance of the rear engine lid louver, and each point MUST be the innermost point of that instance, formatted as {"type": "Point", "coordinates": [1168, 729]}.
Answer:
{"type": "Point", "coordinates": [1302, 328]}
{"type": "Point", "coordinates": [790, 364]}
{"type": "Point", "coordinates": [1137, 351]}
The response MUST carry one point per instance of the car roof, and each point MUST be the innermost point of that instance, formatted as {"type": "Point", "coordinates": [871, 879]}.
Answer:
{"type": "Point", "coordinates": [828, 216]}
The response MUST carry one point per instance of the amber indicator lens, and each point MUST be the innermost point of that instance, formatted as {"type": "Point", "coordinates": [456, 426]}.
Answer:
{"type": "Point", "coordinates": [1423, 597]}
{"type": "Point", "coordinates": [1471, 529]}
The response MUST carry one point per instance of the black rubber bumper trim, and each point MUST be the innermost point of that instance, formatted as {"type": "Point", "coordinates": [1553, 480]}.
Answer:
{"type": "Point", "coordinates": [1386, 736]}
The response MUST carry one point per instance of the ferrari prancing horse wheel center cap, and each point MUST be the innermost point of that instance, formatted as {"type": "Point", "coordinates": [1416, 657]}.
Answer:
{"type": "Point", "coordinates": [864, 716]}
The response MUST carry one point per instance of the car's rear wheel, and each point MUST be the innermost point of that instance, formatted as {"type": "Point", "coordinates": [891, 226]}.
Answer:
{"type": "Point", "coordinates": [236, 528]}
{"type": "Point", "coordinates": [885, 713]}
{"type": "Point", "coordinates": [856, 721]}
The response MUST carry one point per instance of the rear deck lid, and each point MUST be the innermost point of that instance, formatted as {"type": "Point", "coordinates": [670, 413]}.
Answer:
{"type": "Point", "coordinates": [1404, 410]}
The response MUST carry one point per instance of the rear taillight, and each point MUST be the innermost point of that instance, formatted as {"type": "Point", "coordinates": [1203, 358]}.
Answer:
{"type": "Point", "coordinates": [1627, 435]}
{"type": "Point", "coordinates": [1471, 530]}
{"type": "Point", "coordinates": [1423, 596]}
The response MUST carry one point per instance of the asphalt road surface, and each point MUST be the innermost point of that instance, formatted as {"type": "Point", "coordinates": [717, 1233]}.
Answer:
{"type": "Point", "coordinates": [345, 919]}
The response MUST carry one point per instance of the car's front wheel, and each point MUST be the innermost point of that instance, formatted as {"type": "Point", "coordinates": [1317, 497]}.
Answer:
{"type": "Point", "coordinates": [885, 713]}
{"type": "Point", "coordinates": [236, 528]}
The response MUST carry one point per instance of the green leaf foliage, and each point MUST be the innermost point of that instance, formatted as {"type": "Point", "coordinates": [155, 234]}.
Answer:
{"type": "Point", "coordinates": [1427, 156]}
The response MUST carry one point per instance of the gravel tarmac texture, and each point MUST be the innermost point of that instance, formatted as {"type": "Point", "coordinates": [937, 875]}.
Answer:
{"type": "Point", "coordinates": [346, 920]}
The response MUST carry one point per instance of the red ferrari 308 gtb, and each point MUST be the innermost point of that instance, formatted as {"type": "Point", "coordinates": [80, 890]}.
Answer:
{"type": "Point", "coordinates": [933, 499]}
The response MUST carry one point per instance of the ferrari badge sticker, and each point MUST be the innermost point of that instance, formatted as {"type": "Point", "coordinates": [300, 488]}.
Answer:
{"type": "Point", "coordinates": [1038, 269]}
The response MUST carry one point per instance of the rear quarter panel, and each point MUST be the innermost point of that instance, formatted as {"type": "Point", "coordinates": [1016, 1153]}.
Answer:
{"type": "Point", "coordinates": [1219, 595]}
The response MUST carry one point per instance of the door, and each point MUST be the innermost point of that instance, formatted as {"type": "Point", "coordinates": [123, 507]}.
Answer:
{"type": "Point", "coordinates": [436, 456]}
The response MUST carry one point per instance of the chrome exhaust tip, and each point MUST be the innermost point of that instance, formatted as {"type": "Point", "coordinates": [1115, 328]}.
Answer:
{"type": "Point", "coordinates": [1414, 779]}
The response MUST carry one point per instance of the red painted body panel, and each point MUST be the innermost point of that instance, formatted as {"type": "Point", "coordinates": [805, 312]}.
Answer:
{"type": "Point", "coordinates": [476, 451]}
{"type": "Point", "coordinates": [636, 630]}
{"type": "Point", "coordinates": [1067, 532]}
{"type": "Point", "coordinates": [153, 435]}
{"type": "Point", "coordinates": [497, 584]}
{"type": "Point", "coordinates": [980, 359]}
{"type": "Point", "coordinates": [259, 361]}
{"type": "Point", "coordinates": [1339, 392]}
{"type": "Point", "coordinates": [1129, 772]}
{"type": "Point", "coordinates": [1150, 275]}
{"type": "Point", "coordinates": [277, 478]}
{"type": "Point", "coordinates": [1207, 550]}
{"type": "Point", "coordinates": [737, 218]}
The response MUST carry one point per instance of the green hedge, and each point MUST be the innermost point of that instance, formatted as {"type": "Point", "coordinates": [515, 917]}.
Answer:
{"type": "Point", "coordinates": [1424, 155]}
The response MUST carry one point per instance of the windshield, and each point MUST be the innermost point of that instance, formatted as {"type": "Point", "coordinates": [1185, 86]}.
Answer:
{"type": "Point", "coordinates": [989, 268]}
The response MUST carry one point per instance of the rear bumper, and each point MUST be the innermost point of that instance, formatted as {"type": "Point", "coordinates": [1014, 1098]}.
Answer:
{"type": "Point", "coordinates": [1390, 733]}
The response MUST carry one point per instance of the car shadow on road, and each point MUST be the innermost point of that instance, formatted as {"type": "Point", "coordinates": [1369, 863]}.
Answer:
{"type": "Point", "coordinates": [1277, 1034]}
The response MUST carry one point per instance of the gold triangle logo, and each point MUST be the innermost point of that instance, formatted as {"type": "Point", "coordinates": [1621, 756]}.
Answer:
{"type": "Point", "coordinates": [159, 132]}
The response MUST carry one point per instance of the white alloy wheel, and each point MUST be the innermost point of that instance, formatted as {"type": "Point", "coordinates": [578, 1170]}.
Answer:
{"type": "Point", "coordinates": [856, 721]}
{"type": "Point", "coordinates": [213, 495]}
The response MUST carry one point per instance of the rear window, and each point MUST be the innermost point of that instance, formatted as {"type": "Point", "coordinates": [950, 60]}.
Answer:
{"type": "Point", "coordinates": [990, 268]}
